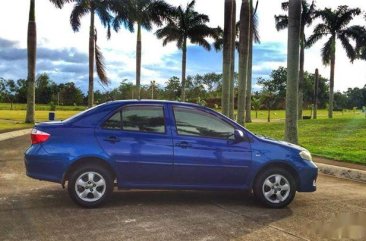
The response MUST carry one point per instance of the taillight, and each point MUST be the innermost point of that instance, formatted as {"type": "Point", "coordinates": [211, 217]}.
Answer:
{"type": "Point", "coordinates": [38, 136]}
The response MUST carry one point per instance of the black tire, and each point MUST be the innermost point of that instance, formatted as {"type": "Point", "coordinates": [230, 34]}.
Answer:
{"type": "Point", "coordinates": [99, 174]}
{"type": "Point", "coordinates": [280, 198]}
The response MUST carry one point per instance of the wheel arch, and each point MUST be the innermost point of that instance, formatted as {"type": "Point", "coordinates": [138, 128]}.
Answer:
{"type": "Point", "coordinates": [87, 160]}
{"type": "Point", "coordinates": [277, 164]}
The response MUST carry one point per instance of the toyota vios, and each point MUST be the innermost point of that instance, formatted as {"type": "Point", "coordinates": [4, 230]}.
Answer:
{"type": "Point", "coordinates": [164, 145]}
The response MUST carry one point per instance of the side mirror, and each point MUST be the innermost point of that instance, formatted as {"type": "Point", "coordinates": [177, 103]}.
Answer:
{"type": "Point", "coordinates": [239, 135]}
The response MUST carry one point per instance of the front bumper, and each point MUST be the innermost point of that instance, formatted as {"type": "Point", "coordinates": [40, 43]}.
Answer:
{"type": "Point", "coordinates": [307, 178]}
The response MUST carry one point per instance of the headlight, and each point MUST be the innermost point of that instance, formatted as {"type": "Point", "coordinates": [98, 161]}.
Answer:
{"type": "Point", "coordinates": [306, 155]}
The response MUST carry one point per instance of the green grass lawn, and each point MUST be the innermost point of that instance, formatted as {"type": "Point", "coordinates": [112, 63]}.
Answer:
{"type": "Point", "coordinates": [14, 119]}
{"type": "Point", "coordinates": [342, 138]}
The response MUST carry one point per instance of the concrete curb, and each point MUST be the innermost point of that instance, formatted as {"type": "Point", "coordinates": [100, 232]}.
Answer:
{"type": "Point", "coordinates": [342, 172]}
{"type": "Point", "coordinates": [13, 134]}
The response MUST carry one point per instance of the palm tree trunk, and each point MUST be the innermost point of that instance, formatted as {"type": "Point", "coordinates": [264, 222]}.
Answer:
{"type": "Point", "coordinates": [316, 87]}
{"type": "Point", "coordinates": [138, 61]}
{"type": "Point", "coordinates": [184, 65]}
{"type": "Point", "coordinates": [331, 81]}
{"type": "Point", "coordinates": [301, 73]}
{"type": "Point", "coordinates": [32, 52]}
{"type": "Point", "coordinates": [225, 99]}
{"type": "Point", "coordinates": [91, 60]}
{"type": "Point", "coordinates": [293, 45]}
{"type": "Point", "coordinates": [248, 102]}
{"type": "Point", "coordinates": [232, 69]}
{"type": "Point", "coordinates": [243, 58]}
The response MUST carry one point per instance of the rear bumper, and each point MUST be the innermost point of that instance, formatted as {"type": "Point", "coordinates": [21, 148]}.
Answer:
{"type": "Point", "coordinates": [307, 178]}
{"type": "Point", "coordinates": [40, 165]}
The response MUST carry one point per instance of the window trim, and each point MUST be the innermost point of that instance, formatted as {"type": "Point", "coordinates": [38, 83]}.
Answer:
{"type": "Point", "coordinates": [120, 109]}
{"type": "Point", "coordinates": [200, 110]}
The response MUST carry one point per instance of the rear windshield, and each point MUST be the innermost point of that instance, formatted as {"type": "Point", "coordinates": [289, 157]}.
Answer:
{"type": "Point", "coordinates": [74, 117]}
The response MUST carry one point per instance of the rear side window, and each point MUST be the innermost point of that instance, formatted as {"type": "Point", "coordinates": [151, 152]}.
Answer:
{"type": "Point", "coordinates": [138, 118]}
{"type": "Point", "coordinates": [115, 122]}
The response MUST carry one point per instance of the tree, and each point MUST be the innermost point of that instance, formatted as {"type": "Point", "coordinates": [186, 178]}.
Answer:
{"type": "Point", "coordinates": [225, 43]}
{"type": "Point", "coordinates": [143, 13]}
{"type": "Point", "coordinates": [307, 16]}
{"type": "Point", "coordinates": [70, 94]}
{"type": "Point", "coordinates": [335, 26]}
{"type": "Point", "coordinates": [293, 45]}
{"type": "Point", "coordinates": [253, 38]}
{"type": "Point", "coordinates": [32, 52]}
{"type": "Point", "coordinates": [173, 88]}
{"type": "Point", "coordinates": [101, 9]}
{"type": "Point", "coordinates": [245, 15]}
{"type": "Point", "coordinates": [256, 105]}
{"type": "Point", "coordinates": [8, 90]}
{"type": "Point", "coordinates": [186, 24]}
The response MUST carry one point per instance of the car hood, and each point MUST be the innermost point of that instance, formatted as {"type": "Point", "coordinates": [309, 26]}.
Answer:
{"type": "Point", "coordinates": [279, 142]}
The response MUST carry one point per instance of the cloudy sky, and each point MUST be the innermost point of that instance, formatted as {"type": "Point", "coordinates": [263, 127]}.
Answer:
{"type": "Point", "coordinates": [63, 54]}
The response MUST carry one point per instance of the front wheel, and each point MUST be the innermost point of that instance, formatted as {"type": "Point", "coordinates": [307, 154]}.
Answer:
{"type": "Point", "coordinates": [275, 187]}
{"type": "Point", "coordinates": [90, 186]}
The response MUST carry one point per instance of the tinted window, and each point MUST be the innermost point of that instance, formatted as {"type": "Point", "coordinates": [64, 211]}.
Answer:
{"type": "Point", "coordinates": [114, 122]}
{"type": "Point", "coordinates": [198, 123]}
{"type": "Point", "coordinates": [143, 118]}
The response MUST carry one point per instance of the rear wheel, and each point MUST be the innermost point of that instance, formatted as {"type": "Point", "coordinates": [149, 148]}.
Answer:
{"type": "Point", "coordinates": [90, 186]}
{"type": "Point", "coordinates": [275, 187]}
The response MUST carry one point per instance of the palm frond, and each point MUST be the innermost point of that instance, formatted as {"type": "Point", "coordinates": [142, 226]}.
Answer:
{"type": "Point", "coordinates": [122, 10]}
{"type": "Point", "coordinates": [77, 13]}
{"type": "Point", "coordinates": [219, 41]}
{"type": "Point", "coordinates": [326, 51]}
{"type": "Point", "coordinates": [159, 11]}
{"type": "Point", "coordinates": [284, 6]}
{"type": "Point", "coordinates": [345, 15]}
{"type": "Point", "coordinates": [100, 66]}
{"type": "Point", "coordinates": [350, 51]}
{"type": "Point", "coordinates": [320, 31]}
{"type": "Point", "coordinates": [281, 22]}
{"type": "Point", "coordinates": [255, 25]}
{"type": "Point", "coordinates": [201, 42]}
{"type": "Point", "coordinates": [60, 3]}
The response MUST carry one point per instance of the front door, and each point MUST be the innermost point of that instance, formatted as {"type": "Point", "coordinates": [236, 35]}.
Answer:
{"type": "Point", "coordinates": [136, 138]}
{"type": "Point", "coordinates": [205, 152]}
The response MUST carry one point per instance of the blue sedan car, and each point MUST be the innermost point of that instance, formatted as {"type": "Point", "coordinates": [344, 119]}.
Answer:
{"type": "Point", "coordinates": [164, 145]}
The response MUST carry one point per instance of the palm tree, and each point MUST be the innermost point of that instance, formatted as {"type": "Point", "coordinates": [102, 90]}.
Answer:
{"type": "Point", "coordinates": [245, 15]}
{"type": "Point", "coordinates": [32, 52]}
{"type": "Point", "coordinates": [307, 16]}
{"type": "Point", "coordinates": [232, 62]}
{"type": "Point", "coordinates": [254, 38]}
{"type": "Point", "coordinates": [293, 47]}
{"type": "Point", "coordinates": [335, 26]}
{"type": "Point", "coordinates": [186, 24]}
{"type": "Point", "coordinates": [101, 9]}
{"type": "Point", "coordinates": [143, 13]}
{"type": "Point", "coordinates": [224, 42]}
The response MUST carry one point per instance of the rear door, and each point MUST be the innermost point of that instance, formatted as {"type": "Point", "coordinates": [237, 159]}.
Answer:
{"type": "Point", "coordinates": [137, 139]}
{"type": "Point", "coordinates": [205, 153]}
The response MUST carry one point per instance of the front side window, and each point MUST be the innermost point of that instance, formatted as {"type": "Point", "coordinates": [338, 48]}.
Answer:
{"type": "Point", "coordinates": [143, 119]}
{"type": "Point", "coordinates": [198, 123]}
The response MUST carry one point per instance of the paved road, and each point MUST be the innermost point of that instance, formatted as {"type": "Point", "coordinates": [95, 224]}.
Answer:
{"type": "Point", "coordinates": [34, 210]}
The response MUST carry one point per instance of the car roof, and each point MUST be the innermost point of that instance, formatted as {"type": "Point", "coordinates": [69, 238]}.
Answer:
{"type": "Point", "coordinates": [147, 101]}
